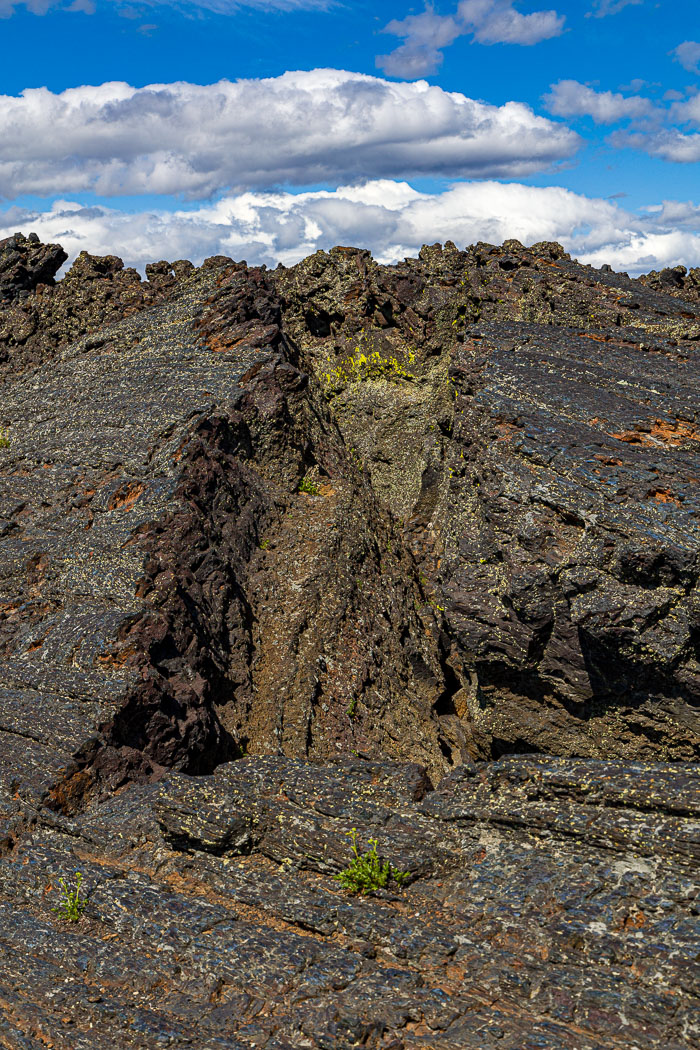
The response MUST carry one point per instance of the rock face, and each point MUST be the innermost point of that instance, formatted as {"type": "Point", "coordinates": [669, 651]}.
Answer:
{"type": "Point", "coordinates": [25, 263]}
{"type": "Point", "coordinates": [412, 550]}
{"type": "Point", "coordinates": [535, 428]}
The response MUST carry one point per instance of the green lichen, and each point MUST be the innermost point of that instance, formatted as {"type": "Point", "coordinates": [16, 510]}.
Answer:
{"type": "Point", "coordinates": [309, 487]}
{"type": "Point", "coordinates": [371, 367]}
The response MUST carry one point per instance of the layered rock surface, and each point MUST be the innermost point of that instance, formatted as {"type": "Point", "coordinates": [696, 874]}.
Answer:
{"type": "Point", "coordinates": [376, 529]}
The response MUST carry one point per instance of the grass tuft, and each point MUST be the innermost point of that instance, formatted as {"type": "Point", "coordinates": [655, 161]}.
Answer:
{"type": "Point", "coordinates": [71, 905]}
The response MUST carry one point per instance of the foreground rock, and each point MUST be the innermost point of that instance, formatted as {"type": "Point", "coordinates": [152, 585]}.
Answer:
{"type": "Point", "coordinates": [552, 904]}
{"type": "Point", "coordinates": [371, 527]}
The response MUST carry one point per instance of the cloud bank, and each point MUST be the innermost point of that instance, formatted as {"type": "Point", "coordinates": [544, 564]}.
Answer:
{"type": "Point", "coordinates": [300, 129]}
{"type": "Point", "coordinates": [391, 218]}
{"type": "Point", "coordinates": [486, 21]}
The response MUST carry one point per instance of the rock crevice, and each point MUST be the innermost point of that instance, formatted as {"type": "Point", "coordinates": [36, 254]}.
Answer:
{"type": "Point", "coordinates": [411, 550]}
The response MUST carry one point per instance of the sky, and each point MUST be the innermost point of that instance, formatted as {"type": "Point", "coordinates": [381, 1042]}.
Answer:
{"type": "Point", "coordinates": [267, 129]}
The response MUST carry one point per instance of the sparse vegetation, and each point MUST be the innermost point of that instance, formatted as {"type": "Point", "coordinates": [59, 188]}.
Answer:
{"type": "Point", "coordinates": [366, 871]}
{"type": "Point", "coordinates": [4, 437]}
{"type": "Point", "coordinates": [309, 486]}
{"type": "Point", "coordinates": [71, 905]}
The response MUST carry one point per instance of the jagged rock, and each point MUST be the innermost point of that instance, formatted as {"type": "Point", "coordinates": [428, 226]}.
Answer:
{"type": "Point", "coordinates": [373, 528]}
{"type": "Point", "coordinates": [96, 292]}
{"type": "Point", "coordinates": [25, 263]}
{"type": "Point", "coordinates": [675, 280]}
{"type": "Point", "coordinates": [550, 904]}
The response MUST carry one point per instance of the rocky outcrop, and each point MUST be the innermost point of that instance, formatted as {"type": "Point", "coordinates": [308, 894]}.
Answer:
{"type": "Point", "coordinates": [675, 280]}
{"type": "Point", "coordinates": [550, 904]}
{"type": "Point", "coordinates": [533, 425]}
{"type": "Point", "coordinates": [96, 292]}
{"type": "Point", "coordinates": [411, 550]}
{"type": "Point", "coordinates": [26, 263]}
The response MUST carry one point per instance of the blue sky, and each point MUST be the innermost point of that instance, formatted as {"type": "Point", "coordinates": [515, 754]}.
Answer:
{"type": "Point", "coordinates": [280, 126]}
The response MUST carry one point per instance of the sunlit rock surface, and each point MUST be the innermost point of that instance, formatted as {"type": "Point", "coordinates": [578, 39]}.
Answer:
{"type": "Point", "coordinates": [412, 550]}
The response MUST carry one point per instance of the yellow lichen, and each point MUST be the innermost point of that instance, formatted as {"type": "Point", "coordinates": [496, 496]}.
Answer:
{"type": "Point", "coordinates": [362, 367]}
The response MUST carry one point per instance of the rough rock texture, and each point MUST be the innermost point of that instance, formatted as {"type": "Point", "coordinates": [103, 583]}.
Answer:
{"type": "Point", "coordinates": [675, 280]}
{"type": "Point", "coordinates": [412, 550]}
{"type": "Point", "coordinates": [535, 430]}
{"type": "Point", "coordinates": [25, 263]}
{"type": "Point", "coordinates": [96, 292]}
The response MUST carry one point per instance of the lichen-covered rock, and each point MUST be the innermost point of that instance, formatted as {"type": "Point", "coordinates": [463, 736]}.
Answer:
{"type": "Point", "coordinates": [288, 554]}
{"type": "Point", "coordinates": [96, 292]}
{"type": "Point", "coordinates": [533, 425]}
{"type": "Point", "coordinates": [549, 903]}
{"type": "Point", "coordinates": [675, 280]}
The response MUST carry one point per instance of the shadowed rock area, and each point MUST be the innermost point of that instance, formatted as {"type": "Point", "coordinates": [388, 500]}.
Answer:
{"type": "Point", "coordinates": [412, 550]}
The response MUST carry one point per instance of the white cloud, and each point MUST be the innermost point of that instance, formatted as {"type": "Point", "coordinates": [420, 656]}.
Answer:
{"type": "Point", "coordinates": [688, 54]}
{"type": "Point", "coordinates": [688, 112]}
{"type": "Point", "coordinates": [425, 35]}
{"type": "Point", "coordinates": [569, 98]}
{"type": "Point", "coordinates": [222, 7]}
{"type": "Point", "coordinates": [300, 128]}
{"type": "Point", "coordinates": [497, 22]}
{"type": "Point", "coordinates": [667, 143]}
{"type": "Point", "coordinates": [655, 128]}
{"type": "Point", "coordinates": [487, 21]}
{"type": "Point", "coordinates": [603, 8]}
{"type": "Point", "coordinates": [390, 218]}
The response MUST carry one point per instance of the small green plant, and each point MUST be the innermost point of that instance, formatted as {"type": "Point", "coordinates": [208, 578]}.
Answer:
{"type": "Point", "coordinates": [366, 872]}
{"type": "Point", "coordinates": [4, 437]}
{"type": "Point", "coordinates": [264, 545]}
{"type": "Point", "coordinates": [352, 708]}
{"type": "Point", "coordinates": [308, 486]}
{"type": "Point", "coordinates": [72, 905]}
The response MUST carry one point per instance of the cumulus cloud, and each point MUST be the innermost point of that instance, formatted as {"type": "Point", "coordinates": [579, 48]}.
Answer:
{"type": "Point", "coordinates": [688, 54]}
{"type": "Point", "coordinates": [655, 129]}
{"type": "Point", "coordinates": [688, 112]}
{"type": "Point", "coordinates": [425, 35]}
{"type": "Point", "coordinates": [569, 98]}
{"type": "Point", "coordinates": [221, 7]}
{"type": "Point", "coordinates": [391, 218]}
{"type": "Point", "coordinates": [667, 143]}
{"type": "Point", "coordinates": [486, 21]}
{"type": "Point", "coordinates": [497, 22]}
{"type": "Point", "coordinates": [298, 129]}
{"type": "Point", "coordinates": [603, 8]}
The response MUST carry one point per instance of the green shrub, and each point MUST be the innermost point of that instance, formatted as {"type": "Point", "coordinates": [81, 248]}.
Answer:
{"type": "Point", "coordinates": [4, 437]}
{"type": "Point", "coordinates": [366, 871]}
{"type": "Point", "coordinates": [308, 486]}
{"type": "Point", "coordinates": [71, 906]}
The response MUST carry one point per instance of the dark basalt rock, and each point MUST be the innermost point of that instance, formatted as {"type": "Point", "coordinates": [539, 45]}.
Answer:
{"type": "Point", "coordinates": [96, 292]}
{"type": "Point", "coordinates": [26, 263]}
{"type": "Point", "coordinates": [412, 550]}
{"type": "Point", "coordinates": [675, 280]}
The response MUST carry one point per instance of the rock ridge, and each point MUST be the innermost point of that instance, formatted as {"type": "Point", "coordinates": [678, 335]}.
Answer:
{"type": "Point", "coordinates": [412, 550]}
